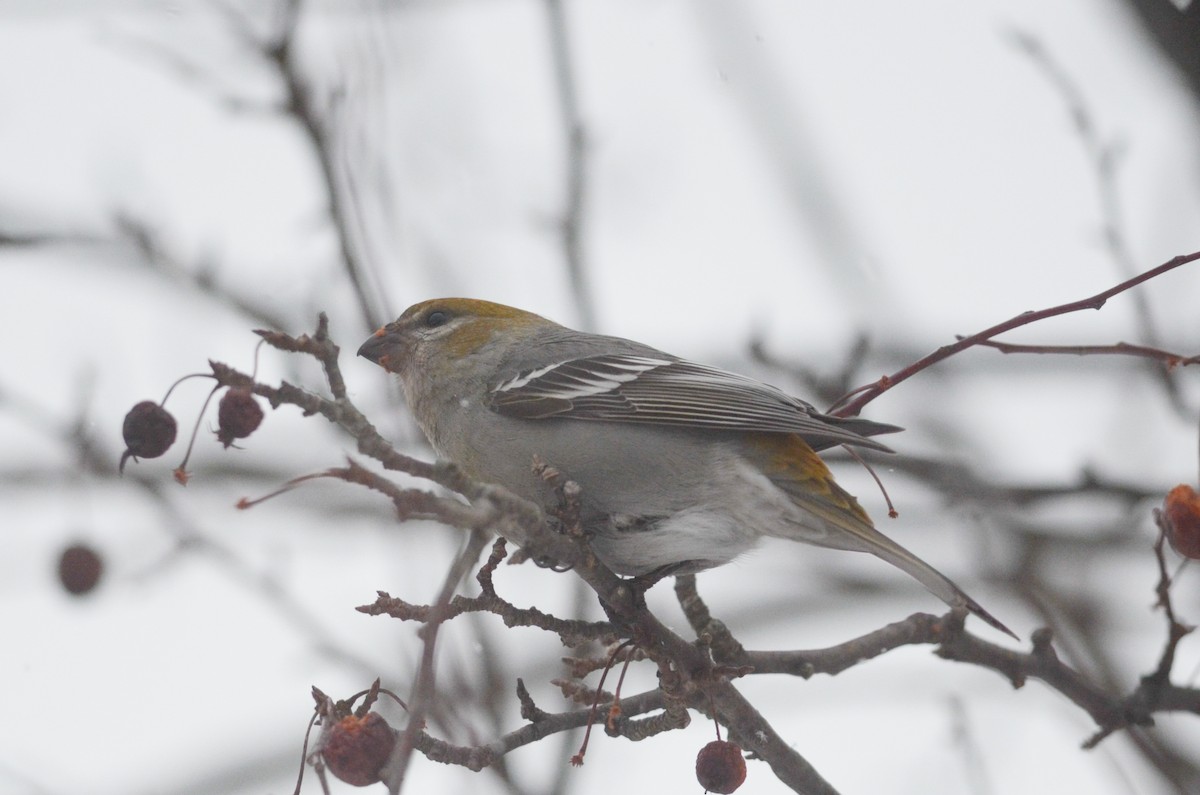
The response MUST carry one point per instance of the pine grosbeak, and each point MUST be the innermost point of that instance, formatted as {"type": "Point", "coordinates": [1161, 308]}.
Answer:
{"type": "Point", "coordinates": [682, 466]}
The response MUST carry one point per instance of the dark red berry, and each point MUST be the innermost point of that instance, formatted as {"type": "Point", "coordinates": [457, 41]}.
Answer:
{"type": "Point", "coordinates": [149, 431]}
{"type": "Point", "coordinates": [1181, 512]}
{"type": "Point", "coordinates": [356, 749]}
{"type": "Point", "coordinates": [79, 569]}
{"type": "Point", "coordinates": [720, 767]}
{"type": "Point", "coordinates": [238, 415]}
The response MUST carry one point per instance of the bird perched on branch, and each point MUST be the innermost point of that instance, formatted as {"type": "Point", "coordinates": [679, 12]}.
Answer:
{"type": "Point", "coordinates": [682, 466]}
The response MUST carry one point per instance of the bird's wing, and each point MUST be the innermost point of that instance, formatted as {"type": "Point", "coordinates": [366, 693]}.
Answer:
{"type": "Point", "coordinates": [661, 390]}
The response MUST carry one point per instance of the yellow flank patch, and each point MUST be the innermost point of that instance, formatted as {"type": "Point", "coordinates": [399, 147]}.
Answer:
{"type": "Point", "coordinates": [792, 465]}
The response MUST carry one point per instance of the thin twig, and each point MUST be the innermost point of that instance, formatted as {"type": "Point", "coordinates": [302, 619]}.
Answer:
{"type": "Point", "coordinates": [1169, 360]}
{"type": "Point", "coordinates": [865, 394]}
{"type": "Point", "coordinates": [318, 128]}
{"type": "Point", "coordinates": [1104, 156]}
{"type": "Point", "coordinates": [425, 687]}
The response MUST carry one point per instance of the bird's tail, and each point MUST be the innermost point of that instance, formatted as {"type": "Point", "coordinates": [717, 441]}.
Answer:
{"type": "Point", "coordinates": [833, 518]}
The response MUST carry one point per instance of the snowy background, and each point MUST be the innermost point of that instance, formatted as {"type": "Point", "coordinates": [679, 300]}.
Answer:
{"type": "Point", "coordinates": [796, 173]}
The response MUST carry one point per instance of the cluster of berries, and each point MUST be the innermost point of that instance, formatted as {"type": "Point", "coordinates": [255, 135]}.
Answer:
{"type": "Point", "coordinates": [149, 429]}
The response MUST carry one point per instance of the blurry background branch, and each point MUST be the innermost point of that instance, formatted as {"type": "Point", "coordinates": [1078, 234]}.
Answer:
{"type": "Point", "coordinates": [1175, 27]}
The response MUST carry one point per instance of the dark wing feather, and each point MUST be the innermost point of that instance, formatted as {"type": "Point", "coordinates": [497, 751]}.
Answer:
{"type": "Point", "coordinates": [666, 391]}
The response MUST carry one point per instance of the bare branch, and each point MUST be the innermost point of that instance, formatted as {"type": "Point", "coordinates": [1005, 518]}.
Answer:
{"type": "Point", "coordinates": [851, 405]}
{"type": "Point", "coordinates": [424, 689]}
{"type": "Point", "coordinates": [1169, 360]}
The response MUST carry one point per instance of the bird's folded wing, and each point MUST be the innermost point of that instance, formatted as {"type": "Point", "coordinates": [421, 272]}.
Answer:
{"type": "Point", "coordinates": [668, 391]}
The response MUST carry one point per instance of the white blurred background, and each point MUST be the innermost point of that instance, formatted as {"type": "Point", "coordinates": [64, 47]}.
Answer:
{"type": "Point", "coordinates": [797, 176]}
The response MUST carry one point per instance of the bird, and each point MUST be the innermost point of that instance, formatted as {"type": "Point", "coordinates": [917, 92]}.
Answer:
{"type": "Point", "coordinates": [682, 466]}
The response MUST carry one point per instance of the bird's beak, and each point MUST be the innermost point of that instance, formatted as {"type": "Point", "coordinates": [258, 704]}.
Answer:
{"type": "Point", "coordinates": [381, 349]}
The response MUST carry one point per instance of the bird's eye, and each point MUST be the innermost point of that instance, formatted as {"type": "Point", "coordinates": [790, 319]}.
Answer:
{"type": "Point", "coordinates": [436, 318]}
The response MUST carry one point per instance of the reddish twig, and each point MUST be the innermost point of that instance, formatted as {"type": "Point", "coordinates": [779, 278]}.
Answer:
{"type": "Point", "coordinates": [867, 393]}
{"type": "Point", "coordinates": [1169, 359]}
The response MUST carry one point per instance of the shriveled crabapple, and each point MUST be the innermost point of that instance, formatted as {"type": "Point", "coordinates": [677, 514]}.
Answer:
{"type": "Point", "coordinates": [1181, 520]}
{"type": "Point", "coordinates": [720, 767]}
{"type": "Point", "coordinates": [238, 415]}
{"type": "Point", "coordinates": [79, 569]}
{"type": "Point", "coordinates": [149, 431]}
{"type": "Point", "coordinates": [355, 749]}
{"type": "Point", "coordinates": [355, 743]}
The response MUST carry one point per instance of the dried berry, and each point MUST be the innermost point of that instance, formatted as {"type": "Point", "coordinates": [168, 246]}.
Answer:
{"type": "Point", "coordinates": [356, 749]}
{"type": "Point", "coordinates": [1181, 514]}
{"type": "Point", "coordinates": [79, 569]}
{"type": "Point", "coordinates": [238, 415]}
{"type": "Point", "coordinates": [720, 767]}
{"type": "Point", "coordinates": [149, 431]}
